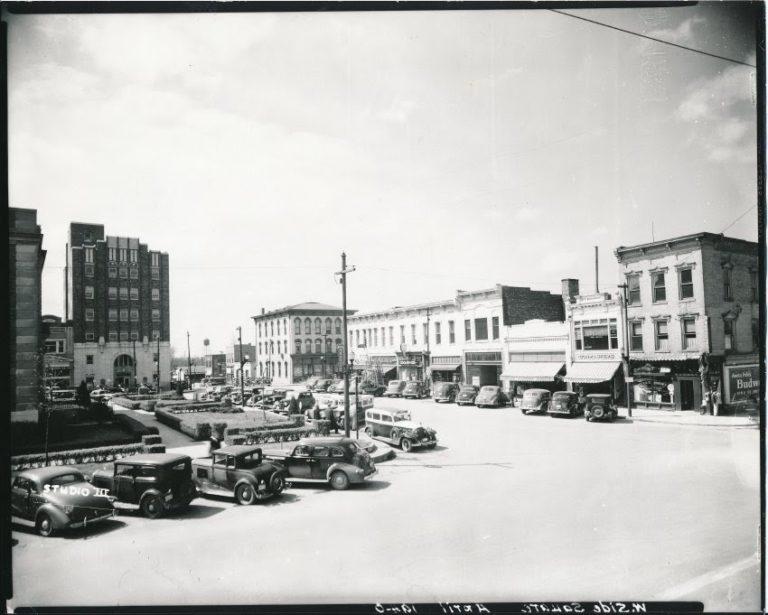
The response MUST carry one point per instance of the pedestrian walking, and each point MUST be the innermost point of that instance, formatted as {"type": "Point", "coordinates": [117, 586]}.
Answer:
{"type": "Point", "coordinates": [332, 419]}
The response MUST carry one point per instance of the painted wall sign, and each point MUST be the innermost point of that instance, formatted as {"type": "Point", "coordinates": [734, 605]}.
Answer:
{"type": "Point", "coordinates": [743, 382]}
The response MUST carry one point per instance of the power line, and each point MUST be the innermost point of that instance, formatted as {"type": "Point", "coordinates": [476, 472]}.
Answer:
{"type": "Point", "coordinates": [651, 38]}
{"type": "Point", "coordinates": [737, 219]}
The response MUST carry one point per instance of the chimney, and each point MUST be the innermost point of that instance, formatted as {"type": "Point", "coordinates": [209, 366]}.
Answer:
{"type": "Point", "coordinates": [570, 289]}
{"type": "Point", "coordinates": [263, 311]}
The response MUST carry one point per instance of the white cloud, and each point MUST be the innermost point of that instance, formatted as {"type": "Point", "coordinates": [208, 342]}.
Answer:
{"type": "Point", "coordinates": [684, 33]}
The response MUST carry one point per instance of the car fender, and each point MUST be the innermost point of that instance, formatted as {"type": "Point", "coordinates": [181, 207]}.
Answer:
{"type": "Point", "coordinates": [58, 516]}
{"type": "Point", "coordinates": [149, 492]}
{"type": "Point", "coordinates": [344, 467]}
{"type": "Point", "coordinates": [252, 482]}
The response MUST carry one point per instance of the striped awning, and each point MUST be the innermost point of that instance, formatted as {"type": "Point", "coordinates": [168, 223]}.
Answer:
{"type": "Point", "coordinates": [445, 367]}
{"type": "Point", "coordinates": [535, 371]}
{"type": "Point", "coordinates": [591, 373]}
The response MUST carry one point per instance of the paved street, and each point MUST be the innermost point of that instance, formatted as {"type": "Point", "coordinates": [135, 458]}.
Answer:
{"type": "Point", "coordinates": [508, 507]}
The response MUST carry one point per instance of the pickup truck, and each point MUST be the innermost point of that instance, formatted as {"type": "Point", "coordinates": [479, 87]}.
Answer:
{"type": "Point", "coordinates": [240, 471]}
{"type": "Point", "coordinates": [337, 461]}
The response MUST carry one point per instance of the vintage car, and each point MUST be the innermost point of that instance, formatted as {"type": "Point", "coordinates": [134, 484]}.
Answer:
{"type": "Point", "coordinates": [395, 388]}
{"type": "Point", "coordinates": [466, 395]}
{"type": "Point", "coordinates": [155, 482]}
{"type": "Point", "coordinates": [396, 427]}
{"type": "Point", "coordinates": [239, 471]}
{"type": "Point", "coordinates": [415, 389]}
{"type": "Point", "coordinates": [98, 395]}
{"type": "Point", "coordinates": [491, 396]}
{"type": "Point", "coordinates": [57, 498]}
{"type": "Point", "coordinates": [564, 403]}
{"type": "Point", "coordinates": [371, 388]}
{"type": "Point", "coordinates": [322, 384]}
{"type": "Point", "coordinates": [337, 386]}
{"type": "Point", "coordinates": [600, 407]}
{"type": "Point", "coordinates": [444, 391]}
{"type": "Point", "coordinates": [334, 460]}
{"type": "Point", "coordinates": [535, 400]}
{"type": "Point", "coordinates": [271, 399]}
{"type": "Point", "coordinates": [304, 399]}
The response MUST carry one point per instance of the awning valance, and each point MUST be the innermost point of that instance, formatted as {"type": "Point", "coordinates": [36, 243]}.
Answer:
{"type": "Point", "coordinates": [591, 372]}
{"type": "Point", "coordinates": [535, 371]}
{"type": "Point", "coordinates": [445, 367]}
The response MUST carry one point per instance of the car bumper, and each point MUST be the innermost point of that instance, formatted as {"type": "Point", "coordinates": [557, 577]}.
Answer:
{"type": "Point", "coordinates": [442, 399]}
{"type": "Point", "coordinates": [424, 442]}
{"type": "Point", "coordinates": [87, 522]}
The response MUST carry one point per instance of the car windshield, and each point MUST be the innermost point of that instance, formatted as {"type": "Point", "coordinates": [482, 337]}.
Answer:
{"type": "Point", "coordinates": [467, 389]}
{"type": "Point", "coordinates": [412, 385]}
{"type": "Point", "coordinates": [532, 395]}
{"type": "Point", "coordinates": [401, 416]}
{"type": "Point", "coordinates": [66, 479]}
{"type": "Point", "coordinates": [563, 396]}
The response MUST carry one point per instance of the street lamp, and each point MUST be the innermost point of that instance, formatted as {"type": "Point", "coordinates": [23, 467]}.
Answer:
{"type": "Point", "coordinates": [627, 372]}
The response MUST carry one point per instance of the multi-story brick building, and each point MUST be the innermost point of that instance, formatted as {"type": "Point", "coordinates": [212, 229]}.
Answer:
{"type": "Point", "coordinates": [117, 297]}
{"type": "Point", "coordinates": [691, 296]}
{"type": "Point", "coordinates": [457, 339]}
{"type": "Point", "coordinates": [233, 353]}
{"type": "Point", "coordinates": [216, 365]}
{"type": "Point", "coordinates": [25, 264]}
{"type": "Point", "coordinates": [299, 341]}
{"type": "Point", "coordinates": [58, 349]}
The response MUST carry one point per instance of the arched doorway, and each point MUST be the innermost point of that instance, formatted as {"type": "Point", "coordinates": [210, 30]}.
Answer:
{"type": "Point", "coordinates": [123, 370]}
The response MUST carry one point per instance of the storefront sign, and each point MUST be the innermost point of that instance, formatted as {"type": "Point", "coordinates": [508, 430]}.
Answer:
{"type": "Point", "coordinates": [598, 356]}
{"type": "Point", "coordinates": [743, 382]}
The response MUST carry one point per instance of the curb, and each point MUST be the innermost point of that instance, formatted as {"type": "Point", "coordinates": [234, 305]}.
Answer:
{"type": "Point", "coordinates": [669, 421]}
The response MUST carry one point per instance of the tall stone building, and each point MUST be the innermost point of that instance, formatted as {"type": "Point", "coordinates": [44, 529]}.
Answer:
{"type": "Point", "coordinates": [25, 265]}
{"type": "Point", "coordinates": [117, 298]}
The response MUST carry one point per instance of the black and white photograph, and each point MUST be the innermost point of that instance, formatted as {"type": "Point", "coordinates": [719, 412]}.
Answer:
{"type": "Point", "coordinates": [386, 305]}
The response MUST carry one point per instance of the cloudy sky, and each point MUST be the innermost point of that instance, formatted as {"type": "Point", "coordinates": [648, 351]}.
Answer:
{"type": "Point", "coordinates": [441, 150]}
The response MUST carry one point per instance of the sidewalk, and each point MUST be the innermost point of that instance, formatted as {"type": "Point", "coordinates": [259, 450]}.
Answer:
{"type": "Point", "coordinates": [690, 417]}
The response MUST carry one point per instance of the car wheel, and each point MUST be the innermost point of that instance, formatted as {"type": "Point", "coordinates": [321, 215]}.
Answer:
{"type": "Point", "coordinates": [433, 445]}
{"type": "Point", "coordinates": [152, 506]}
{"type": "Point", "coordinates": [245, 494]}
{"type": "Point", "coordinates": [44, 524]}
{"type": "Point", "coordinates": [277, 483]}
{"type": "Point", "coordinates": [598, 412]}
{"type": "Point", "coordinates": [339, 480]}
{"type": "Point", "coordinates": [406, 445]}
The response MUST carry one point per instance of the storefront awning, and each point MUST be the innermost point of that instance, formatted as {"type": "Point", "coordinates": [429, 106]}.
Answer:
{"type": "Point", "coordinates": [591, 372]}
{"type": "Point", "coordinates": [445, 367]}
{"type": "Point", "coordinates": [536, 371]}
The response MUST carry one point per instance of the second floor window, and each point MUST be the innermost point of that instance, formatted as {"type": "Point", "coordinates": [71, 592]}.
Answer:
{"type": "Point", "coordinates": [633, 289]}
{"type": "Point", "coordinates": [481, 328]}
{"type": "Point", "coordinates": [298, 346]}
{"type": "Point", "coordinates": [659, 287]}
{"type": "Point", "coordinates": [689, 333]}
{"type": "Point", "coordinates": [318, 347]}
{"type": "Point", "coordinates": [451, 332]}
{"type": "Point", "coordinates": [297, 327]}
{"type": "Point", "coordinates": [413, 334]}
{"type": "Point", "coordinates": [426, 333]}
{"type": "Point", "coordinates": [308, 346]}
{"type": "Point", "coordinates": [686, 283]}
{"type": "Point", "coordinates": [123, 292]}
{"type": "Point", "coordinates": [467, 330]}
{"type": "Point", "coordinates": [391, 336]}
{"type": "Point", "coordinates": [727, 288]}
{"type": "Point", "coordinates": [438, 337]}
{"type": "Point", "coordinates": [123, 273]}
{"type": "Point", "coordinates": [402, 334]}
{"type": "Point", "coordinates": [728, 340]}
{"type": "Point", "coordinates": [112, 272]}
{"type": "Point", "coordinates": [124, 315]}
{"type": "Point", "coordinates": [636, 336]}
{"type": "Point", "coordinates": [495, 325]}
{"type": "Point", "coordinates": [662, 335]}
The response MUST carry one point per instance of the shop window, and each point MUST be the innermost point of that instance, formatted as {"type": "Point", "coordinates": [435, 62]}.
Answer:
{"type": "Point", "coordinates": [112, 292]}
{"type": "Point", "coordinates": [89, 292]}
{"type": "Point", "coordinates": [89, 359]}
{"type": "Point", "coordinates": [727, 287]}
{"type": "Point", "coordinates": [659, 287]}
{"type": "Point", "coordinates": [686, 283]}
{"type": "Point", "coordinates": [481, 328]}
{"type": "Point", "coordinates": [112, 272]}
{"type": "Point", "coordinates": [89, 314]}
{"type": "Point", "coordinates": [495, 327]}
{"type": "Point", "coordinates": [413, 334]}
{"type": "Point", "coordinates": [636, 336]}
{"type": "Point", "coordinates": [689, 333]}
{"type": "Point", "coordinates": [297, 327]}
{"type": "Point", "coordinates": [729, 342]}
{"type": "Point", "coordinates": [438, 337]}
{"type": "Point", "coordinates": [451, 332]}
{"type": "Point", "coordinates": [662, 335]}
{"type": "Point", "coordinates": [633, 289]}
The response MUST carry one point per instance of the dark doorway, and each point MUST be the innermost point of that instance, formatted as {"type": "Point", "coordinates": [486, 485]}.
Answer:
{"type": "Point", "coordinates": [686, 394]}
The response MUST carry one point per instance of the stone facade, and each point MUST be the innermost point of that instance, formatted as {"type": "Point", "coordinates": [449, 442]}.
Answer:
{"type": "Point", "coordinates": [25, 265]}
{"type": "Point", "coordinates": [58, 349]}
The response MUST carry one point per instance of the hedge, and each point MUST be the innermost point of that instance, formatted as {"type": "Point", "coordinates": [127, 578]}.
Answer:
{"type": "Point", "coordinates": [155, 448]}
{"type": "Point", "coordinates": [77, 456]}
{"type": "Point", "coordinates": [278, 435]}
{"type": "Point", "coordinates": [151, 439]}
{"type": "Point", "coordinates": [135, 427]}
{"type": "Point", "coordinates": [126, 403]}
{"type": "Point", "coordinates": [166, 418]}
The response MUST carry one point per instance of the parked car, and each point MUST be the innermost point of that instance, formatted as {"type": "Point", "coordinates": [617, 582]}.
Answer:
{"type": "Point", "coordinates": [305, 399]}
{"type": "Point", "coordinates": [154, 483]}
{"type": "Point", "coordinates": [371, 388]}
{"type": "Point", "coordinates": [336, 387]}
{"type": "Point", "coordinates": [466, 395]}
{"type": "Point", "coordinates": [415, 389]}
{"type": "Point", "coordinates": [239, 471]}
{"type": "Point", "coordinates": [146, 390]}
{"type": "Point", "coordinates": [311, 382]}
{"type": "Point", "coordinates": [322, 384]}
{"type": "Point", "coordinates": [444, 391]}
{"type": "Point", "coordinates": [600, 407]}
{"type": "Point", "coordinates": [98, 395]}
{"type": "Point", "coordinates": [337, 461]}
{"type": "Point", "coordinates": [395, 388]}
{"type": "Point", "coordinates": [491, 396]}
{"type": "Point", "coordinates": [535, 400]}
{"type": "Point", "coordinates": [564, 403]}
{"type": "Point", "coordinates": [396, 427]}
{"type": "Point", "coordinates": [57, 498]}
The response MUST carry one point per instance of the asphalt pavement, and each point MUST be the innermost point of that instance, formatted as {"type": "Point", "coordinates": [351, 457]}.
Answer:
{"type": "Point", "coordinates": [506, 508]}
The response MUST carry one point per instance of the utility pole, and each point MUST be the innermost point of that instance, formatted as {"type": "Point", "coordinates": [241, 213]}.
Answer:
{"type": "Point", "coordinates": [628, 383]}
{"type": "Point", "coordinates": [242, 364]}
{"type": "Point", "coordinates": [189, 363]}
{"type": "Point", "coordinates": [343, 273]}
{"type": "Point", "coordinates": [426, 339]}
{"type": "Point", "coordinates": [135, 379]}
{"type": "Point", "coordinates": [158, 365]}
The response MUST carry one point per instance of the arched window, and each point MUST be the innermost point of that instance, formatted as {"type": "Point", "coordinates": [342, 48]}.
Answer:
{"type": "Point", "coordinates": [327, 325]}
{"type": "Point", "coordinates": [338, 326]}
{"type": "Point", "coordinates": [278, 327]}
{"type": "Point", "coordinates": [307, 326]}
{"type": "Point", "coordinates": [319, 346]}
{"type": "Point", "coordinates": [298, 346]}
{"type": "Point", "coordinates": [297, 326]}
{"type": "Point", "coordinates": [279, 366]}
{"type": "Point", "coordinates": [271, 347]}
{"type": "Point", "coordinates": [329, 346]}
{"type": "Point", "coordinates": [318, 326]}
{"type": "Point", "coordinates": [261, 369]}
{"type": "Point", "coordinates": [339, 344]}
{"type": "Point", "coordinates": [272, 370]}
{"type": "Point", "coordinates": [285, 367]}
{"type": "Point", "coordinates": [308, 346]}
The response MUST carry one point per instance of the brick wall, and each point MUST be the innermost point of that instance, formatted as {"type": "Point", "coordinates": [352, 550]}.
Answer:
{"type": "Point", "coordinates": [520, 304]}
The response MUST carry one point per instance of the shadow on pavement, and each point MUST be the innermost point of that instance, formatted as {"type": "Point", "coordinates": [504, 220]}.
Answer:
{"type": "Point", "coordinates": [99, 528]}
{"type": "Point", "coordinates": [195, 511]}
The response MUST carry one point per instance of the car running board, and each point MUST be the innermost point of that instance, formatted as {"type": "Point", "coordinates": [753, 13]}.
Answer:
{"type": "Point", "coordinates": [291, 479]}
{"type": "Point", "coordinates": [22, 521]}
